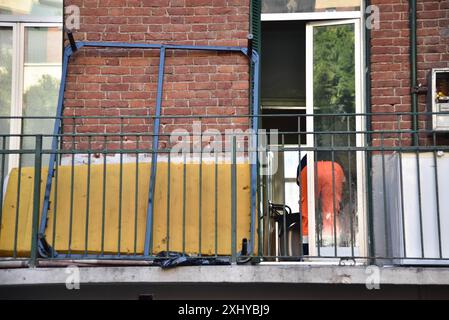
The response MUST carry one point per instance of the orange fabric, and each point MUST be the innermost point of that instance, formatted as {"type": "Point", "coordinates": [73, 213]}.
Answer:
{"type": "Point", "coordinates": [324, 192]}
{"type": "Point", "coordinates": [304, 202]}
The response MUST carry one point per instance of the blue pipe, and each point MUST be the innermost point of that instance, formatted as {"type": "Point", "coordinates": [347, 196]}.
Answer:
{"type": "Point", "coordinates": [51, 165]}
{"type": "Point", "coordinates": [254, 162]}
{"type": "Point", "coordinates": [157, 120]}
{"type": "Point", "coordinates": [125, 45]}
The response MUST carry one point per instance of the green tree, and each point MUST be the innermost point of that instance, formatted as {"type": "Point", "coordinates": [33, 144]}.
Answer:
{"type": "Point", "coordinates": [5, 96]}
{"type": "Point", "coordinates": [5, 87]}
{"type": "Point", "coordinates": [334, 75]}
{"type": "Point", "coordinates": [40, 100]}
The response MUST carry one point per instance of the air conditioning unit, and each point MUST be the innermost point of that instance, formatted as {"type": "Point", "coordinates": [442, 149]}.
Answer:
{"type": "Point", "coordinates": [417, 208]}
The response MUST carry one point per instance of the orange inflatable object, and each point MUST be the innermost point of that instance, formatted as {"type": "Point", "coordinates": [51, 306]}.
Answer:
{"type": "Point", "coordinates": [325, 191]}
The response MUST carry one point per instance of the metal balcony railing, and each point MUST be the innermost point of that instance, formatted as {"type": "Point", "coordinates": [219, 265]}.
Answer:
{"type": "Point", "coordinates": [329, 191]}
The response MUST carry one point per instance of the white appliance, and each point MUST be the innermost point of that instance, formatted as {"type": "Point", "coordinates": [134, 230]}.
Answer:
{"type": "Point", "coordinates": [419, 224]}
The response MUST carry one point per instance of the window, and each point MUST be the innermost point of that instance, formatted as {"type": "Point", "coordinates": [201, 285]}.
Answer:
{"type": "Point", "coordinates": [291, 6]}
{"type": "Point", "coordinates": [312, 64]}
{"type": "Point", "coordinates": [30, 72]}
{"type": "Point", "coordinates": [6, 65]}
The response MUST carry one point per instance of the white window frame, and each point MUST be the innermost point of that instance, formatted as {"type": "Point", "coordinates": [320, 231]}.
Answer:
{"type": "Point", "coordinates": [26, 19]}
{"type": "Point", "coordinates": [14, 125]}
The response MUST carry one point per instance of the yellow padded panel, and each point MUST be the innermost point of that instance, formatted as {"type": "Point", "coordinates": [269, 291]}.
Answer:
{"type": "Point", "coordinates": [74, 208]}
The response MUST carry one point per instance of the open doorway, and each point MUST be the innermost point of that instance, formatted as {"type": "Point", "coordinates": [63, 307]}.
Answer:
{"type": "Point", "coordinates": [311, 93]}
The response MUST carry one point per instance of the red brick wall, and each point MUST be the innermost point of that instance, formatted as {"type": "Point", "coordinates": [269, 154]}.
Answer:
{"type": "Point", "coordinates": [120, 83]}
{"type": "Point", "coordinates": [123, 83]}
{"type": "Point", "coordinates": [391, 65]}
{"type": "Point", "coordinates": [433, 49]}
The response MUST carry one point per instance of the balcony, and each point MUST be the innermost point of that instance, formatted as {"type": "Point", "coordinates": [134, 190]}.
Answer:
{"type": "Point", "coordinates": [367, 197]}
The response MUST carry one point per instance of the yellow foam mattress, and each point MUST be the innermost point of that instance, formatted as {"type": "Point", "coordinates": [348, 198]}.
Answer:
{"type": "Point", "coordinates": [104, 206]}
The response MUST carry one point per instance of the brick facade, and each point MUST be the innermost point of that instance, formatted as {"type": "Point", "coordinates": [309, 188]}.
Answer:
{"type": "Point", "coordinates": [391, 63]}
{"type": "Point", "coordinates": [124, 83]}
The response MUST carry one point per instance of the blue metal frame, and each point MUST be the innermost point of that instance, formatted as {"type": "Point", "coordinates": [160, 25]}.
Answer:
{"type": "Point", "coordinates": [149, 227]}
{"type": "Point", "coordinates": [43, 247]}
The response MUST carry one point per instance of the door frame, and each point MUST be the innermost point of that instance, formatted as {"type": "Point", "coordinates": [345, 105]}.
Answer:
{"type": "Point", "coordinates": [335, 17]}
{"type": "Point", "coordinates": [361, 236]}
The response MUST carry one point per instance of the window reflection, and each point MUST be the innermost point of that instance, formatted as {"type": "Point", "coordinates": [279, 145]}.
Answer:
{"type": "Point", "coordinates": [41, 8]}
{"type": "Point", "coordinates": [5, 87]}
{"type": "Point", "coordinates": [41, 77]}
{"type": "Point", "coordinates": [291, 6]}
{"type": "Point", "coordinates": [336, 171]}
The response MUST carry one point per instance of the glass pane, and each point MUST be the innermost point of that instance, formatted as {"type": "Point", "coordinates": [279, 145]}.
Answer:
{"type": "Point", "coordinates": [41, 77]}
{"type": "Point", "coordinates": [291, 6]}
{"type": "Point", "coordinates": [335, 171]}
{"type": "Point", "coordinates": [284, 62]}
{"type": "Point", "coordinates": [38, 8]}
{"type": "Point", "coordinates": [6, 50]}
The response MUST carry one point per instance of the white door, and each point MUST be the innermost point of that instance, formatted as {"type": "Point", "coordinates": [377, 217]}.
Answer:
{"type": "Point", "coordinates": [335, 180]}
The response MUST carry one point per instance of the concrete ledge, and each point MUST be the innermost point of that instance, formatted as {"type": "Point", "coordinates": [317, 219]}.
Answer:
{"type": "Point", "coordinates": [282, 274]}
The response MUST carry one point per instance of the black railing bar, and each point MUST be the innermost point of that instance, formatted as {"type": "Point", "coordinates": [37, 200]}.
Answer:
{"type": "Point", "coordinates": [184, 209]}
{"type": "Point", "coordinates": [385, 201]}
{"type": "Point", "coordinates": [329, 257]}
{"type": "Point", "coordinates": [120, 196]}
{"type": "Point", "coordinates": [2, 180]}
{"type": "Point", "coordinates": [80, 258]}
{"type": "Point", "coordinates": [237, 133]}
{"type": "Point", "coordinates": [437, 197]}
{"type": "Point", "coordinates": [318, 216]}
{"type": "Point", "coordinates": [284, 213]}
{"type": "Point", "coordinates": [404, 149]}
{"type": "Point", "coordinates": [86, 236]}
{"type": "Point", "coordinates": [351, 218]}
{"type": "Point", "coordinates": [226, 152]}
{"type": "Point", "coordinates": [18, 202]}
{"type": "Point", "coordinates": [128, 257]}
{"type": "Point", "coordinates": [72, 199]}
{"type": "Point", "coordinates": [190, 134]}
{"type": "Point", "coordinates": [301, 196]}
{"type": "Point", "coordinates": [216, 205]}
{"type": "Point", "coordinates": [401, 181]}
{"type": "Point", "coordinates": [103, 206]}
{"type": "Point", "coordinates": [147, 117]}
{"type": "Point", "coordinates": [200, 200]}
{"type": "Point", "coordinates": [334, 202]}
{"type": "Point", "coordinates": [420, 201]}
{"type": "Point", "coordinates": [36, 202]}
{"type": "Point", "coordinates": [168, 202]}
{"type": "Point", "coordinates": [136, 201]}
{"type": "Point", "coordinates": [234, 201]}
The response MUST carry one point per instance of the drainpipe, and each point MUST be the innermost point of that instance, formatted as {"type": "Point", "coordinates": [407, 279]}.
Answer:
{"type": "Point", "coordinates": [368, 141]}
{"type": "Point", "coordinates": [413, 70]}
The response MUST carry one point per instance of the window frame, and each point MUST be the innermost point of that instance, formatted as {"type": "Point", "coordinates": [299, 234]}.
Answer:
{"type": "Point", "coordinates": [332, 18]}
{"type": "Point", "coordinates": [361, 237]}
{"type": "Point", "coordinates": [31, 19]}
{"type": "Point", "coordinates": [18, 29]}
